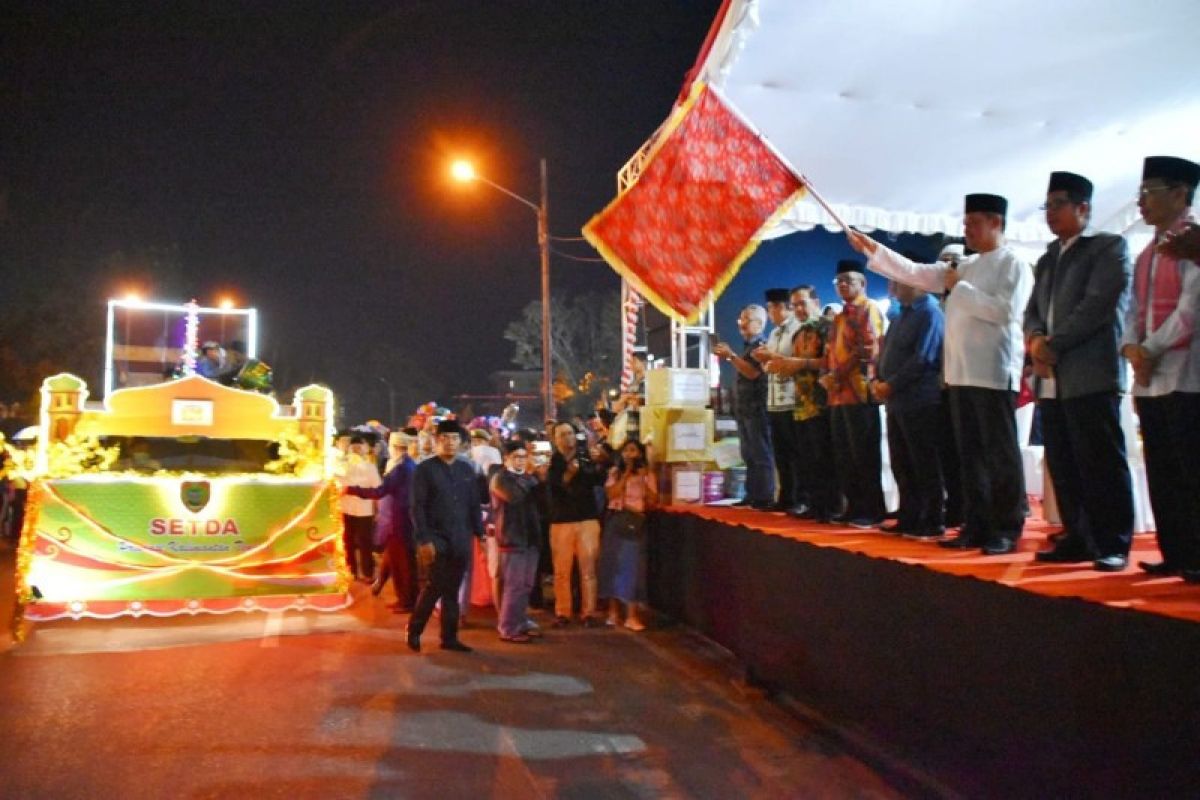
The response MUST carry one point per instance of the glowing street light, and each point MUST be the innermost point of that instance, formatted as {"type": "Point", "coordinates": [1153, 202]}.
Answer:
{"type": "Point", "coordinates": [464, 172]}
{"type": "Point", "coordinates": [226, 303]}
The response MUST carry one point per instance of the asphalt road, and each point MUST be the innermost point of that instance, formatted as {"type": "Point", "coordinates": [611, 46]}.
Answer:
{"type": "Point", "coordinates": [312, 705]}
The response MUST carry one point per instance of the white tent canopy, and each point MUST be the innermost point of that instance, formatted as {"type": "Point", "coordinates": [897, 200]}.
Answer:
{"type": "Point", "coordinates": [895, 110]}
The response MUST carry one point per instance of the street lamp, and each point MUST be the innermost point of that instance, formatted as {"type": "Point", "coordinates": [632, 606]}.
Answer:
{"type": "Point", "coordinates": [464, 172]}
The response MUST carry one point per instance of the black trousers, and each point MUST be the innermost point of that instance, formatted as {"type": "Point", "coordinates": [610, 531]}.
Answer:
{"type": "Point", "coordinates": [857, 438]}
{"type": "Point", "coordinates": [1085, 452]}
{"type": "Point", "coordinates": [816, 446]}
{"type": "Point", "coordinates": [445, 578]}
{"type": "Point", "coordinates": [951, 471]}
{"type": "Point", "coordinates": [913, 441]}
{"type": "Point", "coordinates": [993, 477]}
{"type": "Point", "coordinates": [359, 539]}
{"type": "Point", "coordinates": [787, 457]}
{"type": "Point", "coordinates": [1170, 441]}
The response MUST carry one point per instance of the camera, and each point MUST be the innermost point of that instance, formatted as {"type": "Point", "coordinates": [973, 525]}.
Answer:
{"type": "Point", "coordinates": [581, 448]}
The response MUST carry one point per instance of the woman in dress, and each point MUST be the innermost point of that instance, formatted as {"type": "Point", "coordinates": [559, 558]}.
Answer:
{"type": "Point", "coordinates": [632, 490]}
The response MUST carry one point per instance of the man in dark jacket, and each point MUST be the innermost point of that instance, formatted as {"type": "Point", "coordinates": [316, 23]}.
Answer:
{"type": "Point", "coordinates": [1073, 326]}
{"type": "Point", "coordinates": [446, 513]}
{"type": "Point", "coordinates": [574, 523]}
{"type": "Point", "coordinates": [518, 530]}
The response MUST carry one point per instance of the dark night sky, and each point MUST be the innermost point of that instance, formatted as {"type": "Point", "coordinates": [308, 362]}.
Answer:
{"type": "Point", "coordinates": [297, 155]}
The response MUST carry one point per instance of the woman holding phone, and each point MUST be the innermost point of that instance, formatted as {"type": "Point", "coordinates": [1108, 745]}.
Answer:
{"type": "Point", "coordinates": [631, 491]}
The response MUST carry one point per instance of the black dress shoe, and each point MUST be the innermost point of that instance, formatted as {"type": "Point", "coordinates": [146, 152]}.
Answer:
{"type": "Point", "coordinates": [1190, 575]}
{"type": "Point", "coordinates": [800, 512]}
{"type": "Point", "coordinates": [959, 542]}
{"type": "Point", "coordinates": [1064, 555]}
{"type": "Point", "coordinates": [999, 546]}
{"type": "Point", "coordinates": [413, 638]}
{"type": "Point", "coordinates": [1113, 563]}
{"type": "Point", "coordinates": [457, 646]}
{"type": "Point", "coordinates": [926, 534]}
{"type": "Point", "coordinates": [1160, 568]}
{"type": "Point", "coordinates": [895, 527]}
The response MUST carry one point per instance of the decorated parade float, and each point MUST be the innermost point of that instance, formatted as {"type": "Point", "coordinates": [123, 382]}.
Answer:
{"type": "Point", "coordinates": [179, 495]}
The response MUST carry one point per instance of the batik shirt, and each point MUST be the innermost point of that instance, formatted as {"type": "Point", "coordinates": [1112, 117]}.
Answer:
{"type": "Point", "coordinates": [809, 342]}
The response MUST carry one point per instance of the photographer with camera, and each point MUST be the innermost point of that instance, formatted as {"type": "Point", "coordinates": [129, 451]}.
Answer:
{"type": "Point", "coordinates": [574, 522]}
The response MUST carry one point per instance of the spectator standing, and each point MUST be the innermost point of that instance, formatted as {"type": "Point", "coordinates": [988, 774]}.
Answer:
{"type": "Point", "coordinates": [781, 400]}
{"type": "Point", "coordinates": [1073, 327]}
{"type": "Point", "coordinates": [358, 469]}
{"type": "Point", "coordinates": [750, 409]}
{"type": "Point", "coordinates": [850, 358]}
{"type": "Point", "coordinates": [1161, 345]}
{"type": "Point", "coordinates": [984, 354]}
{"type": "Point", "coordinates": [812, 410]}
{"type": "Point", "coordinates": [574, 524]}
{"type": "Point", "coordinates": [518, 531]}
{"type": "Point", "coordinates": [632, 491]}
{"type": "Point", "coordinates": [909, 383]}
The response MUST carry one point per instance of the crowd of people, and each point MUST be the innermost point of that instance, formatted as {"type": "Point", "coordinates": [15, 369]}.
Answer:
{"type": "Point", "coordinates": [973, 329]}
{"type": "Point", "coordinates": [557, 501]}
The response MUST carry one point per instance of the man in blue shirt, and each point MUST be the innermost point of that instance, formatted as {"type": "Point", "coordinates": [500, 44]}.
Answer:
{"type": "Point", "coordinates": [446, 514]}
{"type": "Point", "coordinates": [909, 382]}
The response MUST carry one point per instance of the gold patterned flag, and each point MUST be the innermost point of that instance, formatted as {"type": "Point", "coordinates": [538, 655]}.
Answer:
{"type": "Point", "coordinates": [709, 186]}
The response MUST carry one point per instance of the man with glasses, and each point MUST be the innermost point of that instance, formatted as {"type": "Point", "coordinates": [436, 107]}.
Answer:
{"type": "Point", "coordinates": [518, 529]}
{"type": "Point", "coordinates": [1073, 327]}
{"type": "Point", "coordinates": [750, 408]}
{"type": "Point", "coordinates": [850, 360]}
{"type": "Point", "coordinates": [983, 355]}
{"type": "Point", "coordinates": [1160, 343]}
{"type": "Point", "coordinates": [447, 514]}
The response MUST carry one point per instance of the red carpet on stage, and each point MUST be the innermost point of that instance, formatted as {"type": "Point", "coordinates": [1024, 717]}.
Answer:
{"type": "Point", "coordinates": [1132, 588]}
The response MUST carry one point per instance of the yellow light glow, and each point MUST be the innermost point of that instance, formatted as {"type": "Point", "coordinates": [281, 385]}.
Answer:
{"type": "Point", "coordinates": [226, 303]}
{"type": "Point", "coordinates": [132, 297]}
{"type": "Point", "coordinates": [462, 171]}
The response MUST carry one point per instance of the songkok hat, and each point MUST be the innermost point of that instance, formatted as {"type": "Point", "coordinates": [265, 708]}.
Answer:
{"type": "Point", "coordinates": [986, 203]}
{"type": "Point", "coordinates": [1171, 170]}
{"type": "Point", "coordinates": [777, 296]}
{"type": "Point", "coordinates": [513, 445]}
{"type": "Point", "coordinates": [849, 265]}
{"type": "Point", "coordinates": [1074, 185]}
{"type": "Point", "coordinates": [449, 426]}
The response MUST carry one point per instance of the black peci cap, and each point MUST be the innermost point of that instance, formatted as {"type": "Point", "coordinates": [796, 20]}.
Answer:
{"type": "Point", "coordinates": [986, 203]}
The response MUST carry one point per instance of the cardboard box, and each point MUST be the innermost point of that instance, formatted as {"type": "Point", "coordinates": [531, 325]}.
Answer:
{"type": "Point", "coordinates": [677, 388]}
{"type": "Point", "coordinates": [678, 434]}
{"type": "Point", "coordinates": [686, 483]}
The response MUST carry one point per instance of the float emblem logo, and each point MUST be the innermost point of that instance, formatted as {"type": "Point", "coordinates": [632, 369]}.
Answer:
{"type": "Point", "coordinates": [195, 495]}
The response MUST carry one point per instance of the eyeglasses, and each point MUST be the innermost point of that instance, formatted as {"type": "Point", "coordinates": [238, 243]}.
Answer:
{"type": "Point", "coordinates": [1146, 191]}
{"type": "Point", "coordinates": [847, 281]}
{"type": "Point", "coordinates": [1054, 205]}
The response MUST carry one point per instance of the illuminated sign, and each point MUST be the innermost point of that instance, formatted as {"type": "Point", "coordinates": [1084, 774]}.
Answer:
{"type": "Point", "coordinates": [192, 412]}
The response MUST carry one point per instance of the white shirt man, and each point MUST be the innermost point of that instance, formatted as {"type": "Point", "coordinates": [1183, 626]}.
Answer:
{"type": "Point", "coordinates": [983, 357]}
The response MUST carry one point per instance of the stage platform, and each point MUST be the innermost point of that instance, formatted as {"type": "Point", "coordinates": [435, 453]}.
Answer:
{"type": "Point", "coordinates": [997, 675]}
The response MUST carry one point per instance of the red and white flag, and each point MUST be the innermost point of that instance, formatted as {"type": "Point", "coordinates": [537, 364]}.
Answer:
{"type": "Point", "coordinates": [709, 186]}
